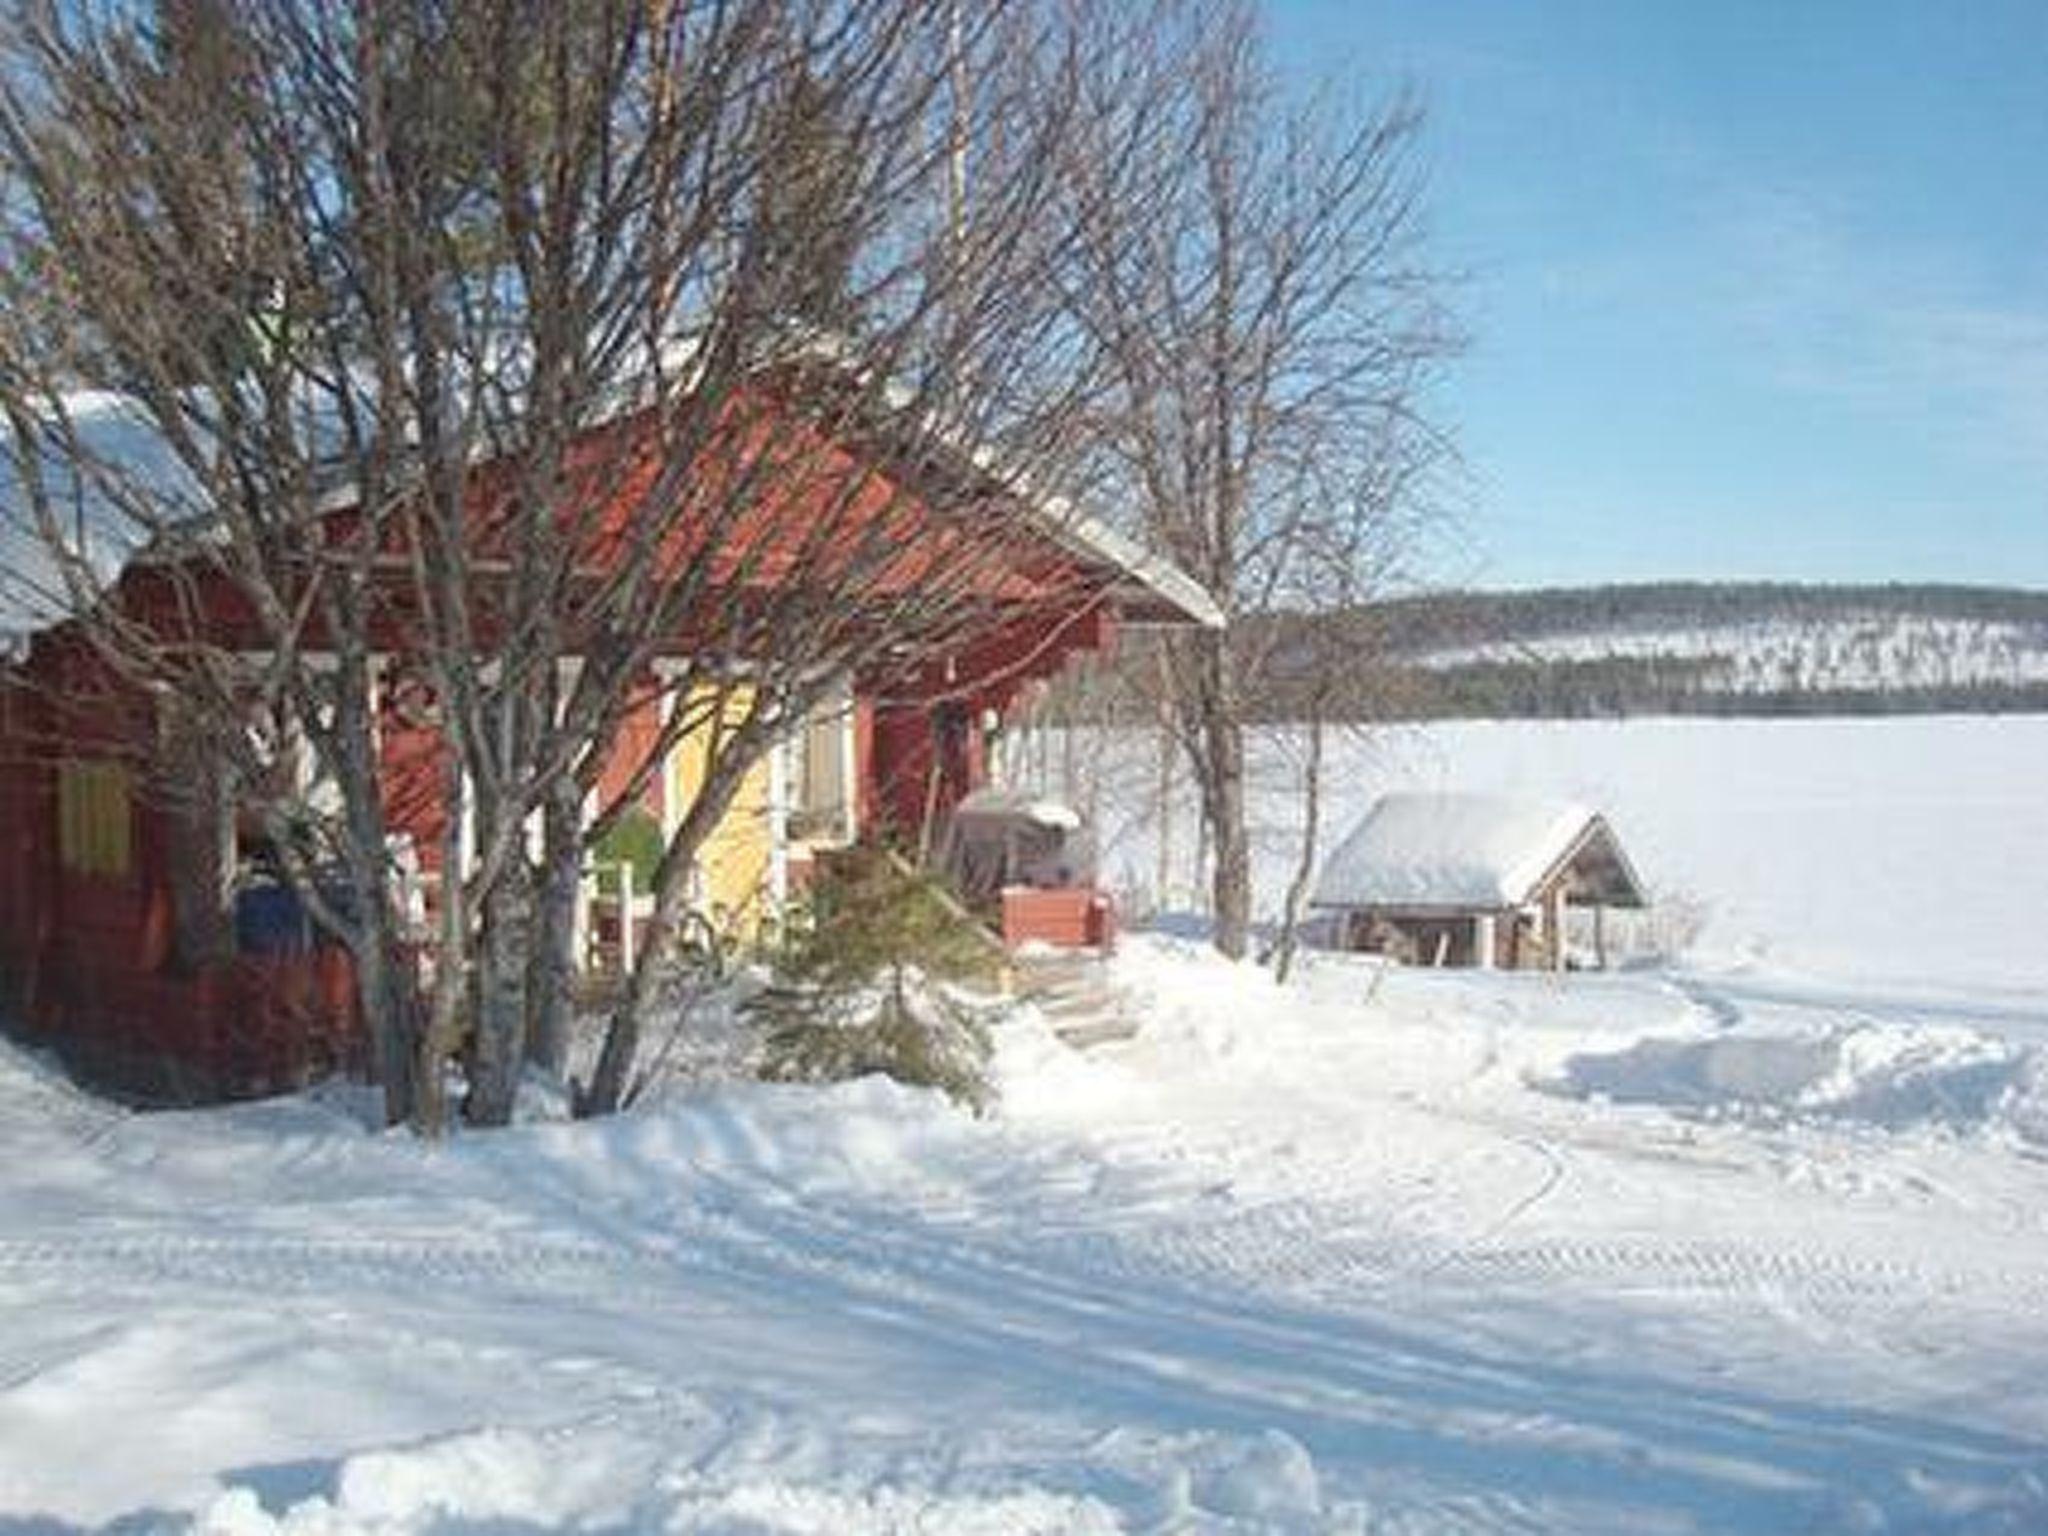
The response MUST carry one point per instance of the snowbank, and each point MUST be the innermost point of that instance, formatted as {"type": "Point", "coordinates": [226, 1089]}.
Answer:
{"type": "Point", "coordinates": [736, 1479]}
{"type": "Point", "coordinates": [1296, 1260]}
{"type": "Point", "coordinates": [614, 1479]}
{"type": "Point", "coordinates": [1896, 1077]}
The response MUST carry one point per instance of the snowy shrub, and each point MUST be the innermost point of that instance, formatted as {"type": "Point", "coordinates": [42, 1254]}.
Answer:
{"type": "Point", "coordinates": [1669, 926]}
{"type": "Point", "coordinates": [1674, 922]}
{"type": "Point", "coordinates": [879, 975]}
{"type": "Point", "coordinates": [926, 1036]}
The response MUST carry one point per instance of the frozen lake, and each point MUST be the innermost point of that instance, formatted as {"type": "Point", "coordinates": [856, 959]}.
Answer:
{"type": "Point", "coordinates": [1906, 852]}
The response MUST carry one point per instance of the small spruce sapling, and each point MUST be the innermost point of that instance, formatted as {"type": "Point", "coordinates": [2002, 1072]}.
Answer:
{"type": "Point", "coordinates": [882, 977]}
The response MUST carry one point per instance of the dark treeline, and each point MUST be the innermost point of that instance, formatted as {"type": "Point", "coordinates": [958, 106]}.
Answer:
{"type": "Point", "coordinates": [1413, 625]}
{"type": "Point", "coordinates": [1617, 686]}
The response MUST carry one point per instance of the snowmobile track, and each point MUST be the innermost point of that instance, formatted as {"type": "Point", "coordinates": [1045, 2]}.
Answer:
{"type": "Point", "coordinates": [292, 1263]}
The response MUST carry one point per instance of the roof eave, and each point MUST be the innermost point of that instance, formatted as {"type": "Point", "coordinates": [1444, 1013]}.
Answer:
{"type": "Point", "coordinates": [1153, 591]}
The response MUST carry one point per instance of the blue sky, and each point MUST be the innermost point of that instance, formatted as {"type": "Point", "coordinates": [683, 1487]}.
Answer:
{"type": "Point", "coordinates": [1756, 288]}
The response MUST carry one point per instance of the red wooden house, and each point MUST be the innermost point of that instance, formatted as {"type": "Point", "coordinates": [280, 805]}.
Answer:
{"type": "Point", "coordinates": [91, 821]}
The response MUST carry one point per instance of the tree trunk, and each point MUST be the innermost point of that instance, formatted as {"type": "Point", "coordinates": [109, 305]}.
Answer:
{"type": "Point", "coordinates": [611, 1082]}
{"type": "Point", "coordinates": [391, 1004]}
{"type": "Point", "coordinates": [1219, 766]}
{"type": "Point", "coordinates": [442, 1035]}
{"type": "Point", "coordinates": [498, 1038]}
{"type": "Point", "coordinates": [386, 985]}
{"type": "Point", "coordinates": [1162, 900]}
{"type": "Point", "coordinates": [194, 787]}
{"type": "Point", "coordinates": [1304, 867]}
{"type": "Point", "coordinates": [1232, 886]}
{"type": "Point", "coordinates": [551, 968]}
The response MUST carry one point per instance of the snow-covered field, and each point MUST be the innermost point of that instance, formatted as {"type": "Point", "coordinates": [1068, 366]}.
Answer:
{"type": "Point", "coordinates": [1758, 1242]}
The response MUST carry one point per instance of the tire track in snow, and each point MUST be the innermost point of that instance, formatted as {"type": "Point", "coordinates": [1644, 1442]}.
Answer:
{"type": "Point", "coordinates": [1324, 1239]}
{"type": "Point", "coordinates": [1726, 1267]}
{"type": "Point", "coordinates": [1315, 1243]}
{"type": "Point", "coordinates": [1336, 1248]}
{"type": "Point", "coordinates": [315, 1262]}
{"type": "Point", "coordinates": [1553, 1176]}
{"type": "Point", "coordinates": [1723, 1011]}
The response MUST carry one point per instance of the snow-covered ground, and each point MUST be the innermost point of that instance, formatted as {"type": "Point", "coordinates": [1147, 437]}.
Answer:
{"type": "Point", "coordinates": [1731, 1246]}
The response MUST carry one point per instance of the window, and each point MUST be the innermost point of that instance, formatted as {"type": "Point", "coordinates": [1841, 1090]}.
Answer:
{"type": "Point", "coordinates": [820, 759]}
{"type": "Point", "coordinates": [95, 824]}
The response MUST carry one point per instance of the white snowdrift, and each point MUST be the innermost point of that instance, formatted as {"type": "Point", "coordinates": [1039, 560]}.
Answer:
{"type": "Point", "coordinates": [611, 1479]}
{"type": "Point", "coordinates": [607, 1478]}
{"type": "Point", "coordinates": [1892, 1076]}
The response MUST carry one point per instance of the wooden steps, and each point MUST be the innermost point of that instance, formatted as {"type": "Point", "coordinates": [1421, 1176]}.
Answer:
{"type": "Point", "coordinates": [1073, 989]}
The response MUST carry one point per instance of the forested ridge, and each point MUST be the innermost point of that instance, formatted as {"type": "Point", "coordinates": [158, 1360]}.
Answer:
{"type": "Point", "coordinates": [1422, 624]}
{"type": "Point", "coordinates": [1670, 648]}
{"type": "Point", "coordinates": [1709, 648]}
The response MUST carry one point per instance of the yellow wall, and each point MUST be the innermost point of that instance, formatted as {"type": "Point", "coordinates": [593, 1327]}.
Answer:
{"type": "Point", "coordinates": [738, 857]}
{"type": "Point", "coordinates": [95, 824]}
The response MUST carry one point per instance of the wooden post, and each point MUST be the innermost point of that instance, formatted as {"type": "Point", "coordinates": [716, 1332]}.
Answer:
{"type": "Point", "coordinates": [1600, 934]}
{"type": "Point", "coordinates": [626, 935]}
{"type": "Point", "coordinates": [1483, 941]}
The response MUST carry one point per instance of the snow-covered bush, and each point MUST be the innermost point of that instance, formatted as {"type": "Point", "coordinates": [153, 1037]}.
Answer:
{"type": "Point", "coordinates": [924, 1035]}
{"type": "Point", "coordinates": [1669, 926]}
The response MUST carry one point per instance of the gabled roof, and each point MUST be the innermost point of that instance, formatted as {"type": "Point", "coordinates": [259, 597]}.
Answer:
{"type": "Point", "coordinates": [1150, 588]}
{"type": "Point", "coordinates": [126, 454]}
{"type": "Point", "coordinates": [1465, 853]}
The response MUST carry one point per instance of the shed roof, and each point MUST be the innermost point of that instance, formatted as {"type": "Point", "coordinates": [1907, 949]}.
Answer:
{"type": "Point", "coordinates": [1464, 852]}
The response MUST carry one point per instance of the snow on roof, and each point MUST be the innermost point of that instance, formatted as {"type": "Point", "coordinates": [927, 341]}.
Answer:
{"type": "Point", "coordinates": [995, 804]}
{"type": "Point", "coordinates": [98, 459]}
{"type": "Point", "coordinates": [1450, 850]}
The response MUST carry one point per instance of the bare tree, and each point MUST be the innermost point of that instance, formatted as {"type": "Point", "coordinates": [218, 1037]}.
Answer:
{"type": "Point", "coordinates": [465, 350]}
{"type": "Point", "coordinates": [1253, 279]}
{"type": "Point", "coordinates": [1325, 657]}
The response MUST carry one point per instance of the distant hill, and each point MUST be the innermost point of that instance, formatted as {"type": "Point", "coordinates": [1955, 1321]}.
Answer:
{"type": "Point", "coordinates": [1662, 648]}
{"type": "Point", "coordinates": [1709, 648]}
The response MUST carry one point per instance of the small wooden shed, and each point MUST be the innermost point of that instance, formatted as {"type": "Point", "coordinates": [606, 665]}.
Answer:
{"type": "Point", "coordinates": [1474, 880]}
